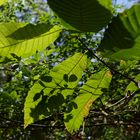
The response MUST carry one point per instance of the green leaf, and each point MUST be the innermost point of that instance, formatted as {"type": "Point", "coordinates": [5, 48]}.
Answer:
{"type": "Point", "coordinates": [37, 106]}
{"type": "Point", "coordinates": [122, 38]}
{"type": "Point", "coordinates": [132, 87]}
{"type": "Point", "coordinates": [41, 83]}
{"type": "Point", "coordinates": [83, 15]}
{"type": "Point", "coordinates": [25, 39]}
{"type": "Point", "coordinates": [30, 103]}
{"type": "Point", "coordinates": [2, 2]}
{"type": "Point", "coordinates": [90, 91]}
{"type": "Point", "coordinates": [73, 66]}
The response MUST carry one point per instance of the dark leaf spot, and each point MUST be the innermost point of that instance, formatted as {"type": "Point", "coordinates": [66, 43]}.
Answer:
{"type": "Point", "coordinates": [72, 78]}
{"type": "Point", "coordinates": [44, 98]}
{"type": "Point", "coordinates": [65, 86]}
{"type": "Point", "coordinates": [41, 83]}
{"type": "Point", "coordinates": [15, 56]}
{"type": "Point", "coordinates": [71, 106]}
{"type": "Point", "coordinates": [46, 78]}
{"type": "Point", "coordinates": [55, 101]}
{"type": "Point", "coordinates": [65, 77]}
{"type": "Point", "coordinates": [74, 105]}
{"type": "Point", "coordinates": [37, 96]}
{"type": "Point", "coordinates": [69, 117]}
{"type": "Point", "coordinates": [52, 91]}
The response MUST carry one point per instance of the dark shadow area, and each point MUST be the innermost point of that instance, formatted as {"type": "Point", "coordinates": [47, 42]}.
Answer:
{"type": "Point", "coordinates": [30, 31]}
{"type": "Point", "coordinates": [69, 108]}
{"type": "Point", "coordinates": [47, 105]}
{"type": "Point", "coordinates": [116, 37]}
{"type": "Point", "coordinates": [46, 78]}
{"type": "Point", "coordinates": [84, 20]}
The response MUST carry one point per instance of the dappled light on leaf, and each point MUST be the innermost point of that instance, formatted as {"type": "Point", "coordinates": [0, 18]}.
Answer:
{"type": "Point", "coordinates": [70, 107]}
{"type": "Point", "coordinates": [68, 117]}
{"type": "Point", "coordinates": [53, 89]}
{"type": "Point", "coordinates": [90, 91]}
{"type": "Point", "coordinates": [53, 74]}
{"type": "Point", "coordinates": [42, 84]}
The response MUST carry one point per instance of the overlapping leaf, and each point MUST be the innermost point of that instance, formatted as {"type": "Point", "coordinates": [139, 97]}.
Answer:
{"type": "Point", "coordinates": [90, 91]}
{"type": "Point", "coordinates": [83, 15]}
{"type": "Point", "coordinates": [134, 91]}
{"type": "Point", "coordinates": [49, 93]}
{"type": "Point", "coordinates": [122, 38]}
{"type": "Point", "coordinates": [132, 87]}
{"type": "Point", "coordinates": [25, 39]}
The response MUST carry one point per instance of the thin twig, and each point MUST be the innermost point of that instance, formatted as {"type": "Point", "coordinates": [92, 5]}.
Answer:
{"type": "Point", "coordinates": [121, 123]}
{"type": "Point", "coordinates": [126, 99]}
{"type": "Point", "coordinates": [21, 124]}
{"type": "Point", "coordinates": [103, 62]}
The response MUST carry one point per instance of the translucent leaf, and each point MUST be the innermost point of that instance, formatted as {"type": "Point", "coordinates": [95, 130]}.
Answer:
{"type": "Point", "coordinates": [2, 2]}
{"type": "Point", "coordinates": [90, 91]}
{"type": "Point", "coordinates": [53, 89]}
{"type": "Point", "coordinates": [25, 39]}
{"type": "Point", "coordinates": [73, 66]}
{"type": "Point", "coordinates": [122, 38]}
{"type": "Point", "coordinates": [83, 15]}
{"type": "Point", "coordinates": [132, 87]}
{"type": "Point", "coordinates": [30, 104]}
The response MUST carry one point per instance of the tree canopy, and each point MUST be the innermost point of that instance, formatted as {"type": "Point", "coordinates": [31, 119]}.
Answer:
{"type": "Point", "coordinates": [69, 70]}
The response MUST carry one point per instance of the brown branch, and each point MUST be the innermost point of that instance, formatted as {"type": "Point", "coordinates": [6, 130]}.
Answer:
{"type": "Point", "coordinates": [125, 100]}
{"type": "Point", "coordinates": [15, 123]}
{"type": "Point", "coordinates": [118, 123]}
{"type": "Point", "coordinates": [103, 62]}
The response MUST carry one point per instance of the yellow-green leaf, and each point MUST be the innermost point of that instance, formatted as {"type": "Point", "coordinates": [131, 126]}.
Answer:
{"type": "Point", "coordinates": [50, 92]}
{"type": "Point", "coordinates": [132, 87]}
{"type": "Point", "coordinates": [31, 104]}
{"type": "Point", "coordinates": [2, 2]}
{"type": "Point", "coordinates": [25, 39]}
{"type": "Point", "coordinates": [90, 91]}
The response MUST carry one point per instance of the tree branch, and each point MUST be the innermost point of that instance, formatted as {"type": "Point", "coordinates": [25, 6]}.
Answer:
{"type": "Point", "coordinates": [118, 123]}
{"type": "Point", "coordinates": [103, 62]}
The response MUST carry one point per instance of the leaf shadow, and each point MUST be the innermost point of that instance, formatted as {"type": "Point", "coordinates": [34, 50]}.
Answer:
{"type": "Point", "coordinates": [46, 106]}
{"type": "Point", "coordinates": [30, 31]}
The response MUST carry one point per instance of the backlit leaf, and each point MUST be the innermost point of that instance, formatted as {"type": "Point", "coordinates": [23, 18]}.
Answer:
{"type": "Point", "coordinates": [2, 2]}
{"type": "Point", "coordinates": [54, 92]}
{"type": "Point", "coordinates": [25, 39]}
{"type": "Point", "coordinates": [90, 91]}
{"type": "Point", "coordinates": [132, 87]}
